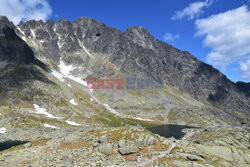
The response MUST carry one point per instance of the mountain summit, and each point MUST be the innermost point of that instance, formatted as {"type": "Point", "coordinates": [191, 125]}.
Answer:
{"type": "Point", "coordinates": [87, 42]}
{"type": "Point", "coordinates": [43, 89]}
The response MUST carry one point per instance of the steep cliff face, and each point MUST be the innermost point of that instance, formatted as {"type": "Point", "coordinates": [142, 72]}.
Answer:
{"type": "Point", "coordinates": [12, 48]}
{"type": "Point", "coordinates": [87, 43]}
{"type": "Point", "coordinates": [44, 99]}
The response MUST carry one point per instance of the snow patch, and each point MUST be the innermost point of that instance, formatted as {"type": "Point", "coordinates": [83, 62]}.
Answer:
{"type": "Point", "coordinates": [23, 38]}
{"type": "Point", "coordinates": [87, 51]}
{"type": "Point", "coordinates": [20, 30]}
{"type": "Point", "coordinates": [43, 111]}
{"type": "Point", "coordinates": [72, 123]}
{"type": "Point", "coordinates": [84, 48]}
{"type": "Point", "coordinates": [3, 130]}
{"type": "Point", "coordinates": [72, 101]}
{"type": "Point", "coordinates": [111, 110]}
{"type": "Point", "coordinates": [50, 126]}
{"type": "Point", "coordinates": [69, 85]}
{"type": "Point", "coordinates": [105, 105]}
{"type": "Point", "coordinates": [142, 119]}
{"type": "Point", "coordinates": [58, 42]}
{"type": "Point", "coordinates": [33, 33]}
{"type": "Point", "coordinates": [58, 75]}
{"type": "Point", "coordinates": [66, 69]}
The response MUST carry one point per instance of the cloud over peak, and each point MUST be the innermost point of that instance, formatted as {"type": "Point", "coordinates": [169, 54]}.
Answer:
{"type": "Point", "coordinates": [171, 37]}
{"type": "Point", "coordinates": [17, 10]}
{"type": "Point", "coordinates": [228, 35]}
{"type": "Point", "coordinates": [193, 10]}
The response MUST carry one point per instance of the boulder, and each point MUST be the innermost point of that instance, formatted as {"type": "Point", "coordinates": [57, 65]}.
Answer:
{"type": "Point", "coordinates": [106, 149]}
{"type": "Point", "coordinates": [27, 145]}
{"type": "Point", "coordinates": [192, 158]}
{"type": "Point", "coordinates": [126, 148]}
{"type": "Point", "coordinates": [219, 151]}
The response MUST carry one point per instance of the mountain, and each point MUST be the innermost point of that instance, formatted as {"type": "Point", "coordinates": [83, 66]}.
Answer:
{"type": "Point", "coordinates": [44, 98]}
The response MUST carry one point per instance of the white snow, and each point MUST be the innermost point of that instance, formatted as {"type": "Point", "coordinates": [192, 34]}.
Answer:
{"type": "Point", "coordinates": [72, 101]}
{"type": "Point", "coordinates": [69, 85]}
{"type": "Point", "coordinates": [33, 34]}
{"type": "Point", "coordinates": [84, 48]}
{"type": "Point", "coordinates": [111, 110]}
{"type": "Point", "coordinates": [50, 126]}
{"type": "Point", "coordinates": [2, 130]}
{"type": "Point", "coordinates": [43, 111]}
{"type": "Point", "coordinates": [23, 38]}
{"type": "Point", "coordinates": [65, 70]}
{"type": "Point", "coordinates": [59, 45]}
{"type": "Point", "coordinates": [105, 105]}
{"type": "Point", "coordinates": [58, 42]}
{"type": "Point", "coordinates": [87, 51]}
{"type": "Point", "coordinates": [142, 119]}
{"type": "Point", "coordinates": [72, 123]}
{"type": "Point", "coordinates": [58, 75]}
{"type": "Point", "coordinates": [20, 30]}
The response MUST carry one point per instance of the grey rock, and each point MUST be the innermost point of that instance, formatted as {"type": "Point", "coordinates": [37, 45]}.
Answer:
{"type": "Point", "coordinates": [101, 139]}
{"type": "Point", "coordinates": [27, 145]}
{"type": "Point", "coordinates": [128, 150]}
{"type": "Point", "coordinates": [122, 143]}
{"type": "Point", "coordinates": [192, 158]}
{"type": "Point", "coordinates": [125, 148]}
{"type": "Point", "coordinates": [106, 149]}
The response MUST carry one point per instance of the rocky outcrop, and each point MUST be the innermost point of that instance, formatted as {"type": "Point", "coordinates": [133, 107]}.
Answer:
{"type": "Point", "coordinates": [46, 106]}
{"type": "Point", "coordinates": [136, 52]}
{"type": "Point", "coordinates": [75, 146]}
{"type": "Point", "coordinates": [12, 48]}
{"type": "Point", "coordinates": [126, 148]}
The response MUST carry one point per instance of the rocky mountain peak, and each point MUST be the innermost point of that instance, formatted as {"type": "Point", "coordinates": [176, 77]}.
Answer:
{"type": "Point", "coordinates": [4, 23]}
{"type": "Point", "coordinates": [12, 48]}
{"type": "Point", "coordinates": [134, 52]}
{"type": "Point", "coordinates": [44, 99]}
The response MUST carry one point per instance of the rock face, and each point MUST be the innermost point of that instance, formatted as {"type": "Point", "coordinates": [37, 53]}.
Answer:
{"type": "Point", "coordinates": [44, 99]}
{"type": "Point", "coordinates": [135, 52]}
{"type": "Point", "coordinates": [126, 148]}
{"type": "Point", "coordinates": [106, 149]}
{"type": "Point", "coordinates": [12, 48]}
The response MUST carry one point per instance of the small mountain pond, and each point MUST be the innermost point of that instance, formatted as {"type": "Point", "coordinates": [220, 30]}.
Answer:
{"type": "Point", "coordinates": [170, 130]}
{"type": "Point", "coordinates": [8, 144]}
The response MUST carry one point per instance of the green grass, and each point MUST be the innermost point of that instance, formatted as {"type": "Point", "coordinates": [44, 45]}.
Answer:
{"type": "Point", "coordinates": [111, 120]}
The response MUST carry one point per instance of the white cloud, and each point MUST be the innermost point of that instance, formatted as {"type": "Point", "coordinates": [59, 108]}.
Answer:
{"type": "Point", "coordinates": [245, 68]}
{"type": "Point", "coordinates": [193, 10]}
{"type": "Point", "coordinates": [171, 37]}
{"type": "Point", "coordinates": [17, 10]}
{"type": "Point", "coordinates": [228, 35]}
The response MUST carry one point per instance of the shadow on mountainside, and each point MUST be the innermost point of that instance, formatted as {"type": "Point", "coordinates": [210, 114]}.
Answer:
{"type": "Point", "coordinates": [19, 68]}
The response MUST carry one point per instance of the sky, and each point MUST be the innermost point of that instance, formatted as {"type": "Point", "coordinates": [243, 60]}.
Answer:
{"type": "Point", "coordinates": [215, 31]}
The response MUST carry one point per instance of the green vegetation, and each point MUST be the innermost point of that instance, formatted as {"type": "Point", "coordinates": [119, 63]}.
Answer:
{"type": "Point", "coordinates": [111, 120]}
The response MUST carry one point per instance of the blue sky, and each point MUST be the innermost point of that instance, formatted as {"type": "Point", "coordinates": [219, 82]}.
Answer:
{"type": "Point", "coordinates": [181, 23]}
